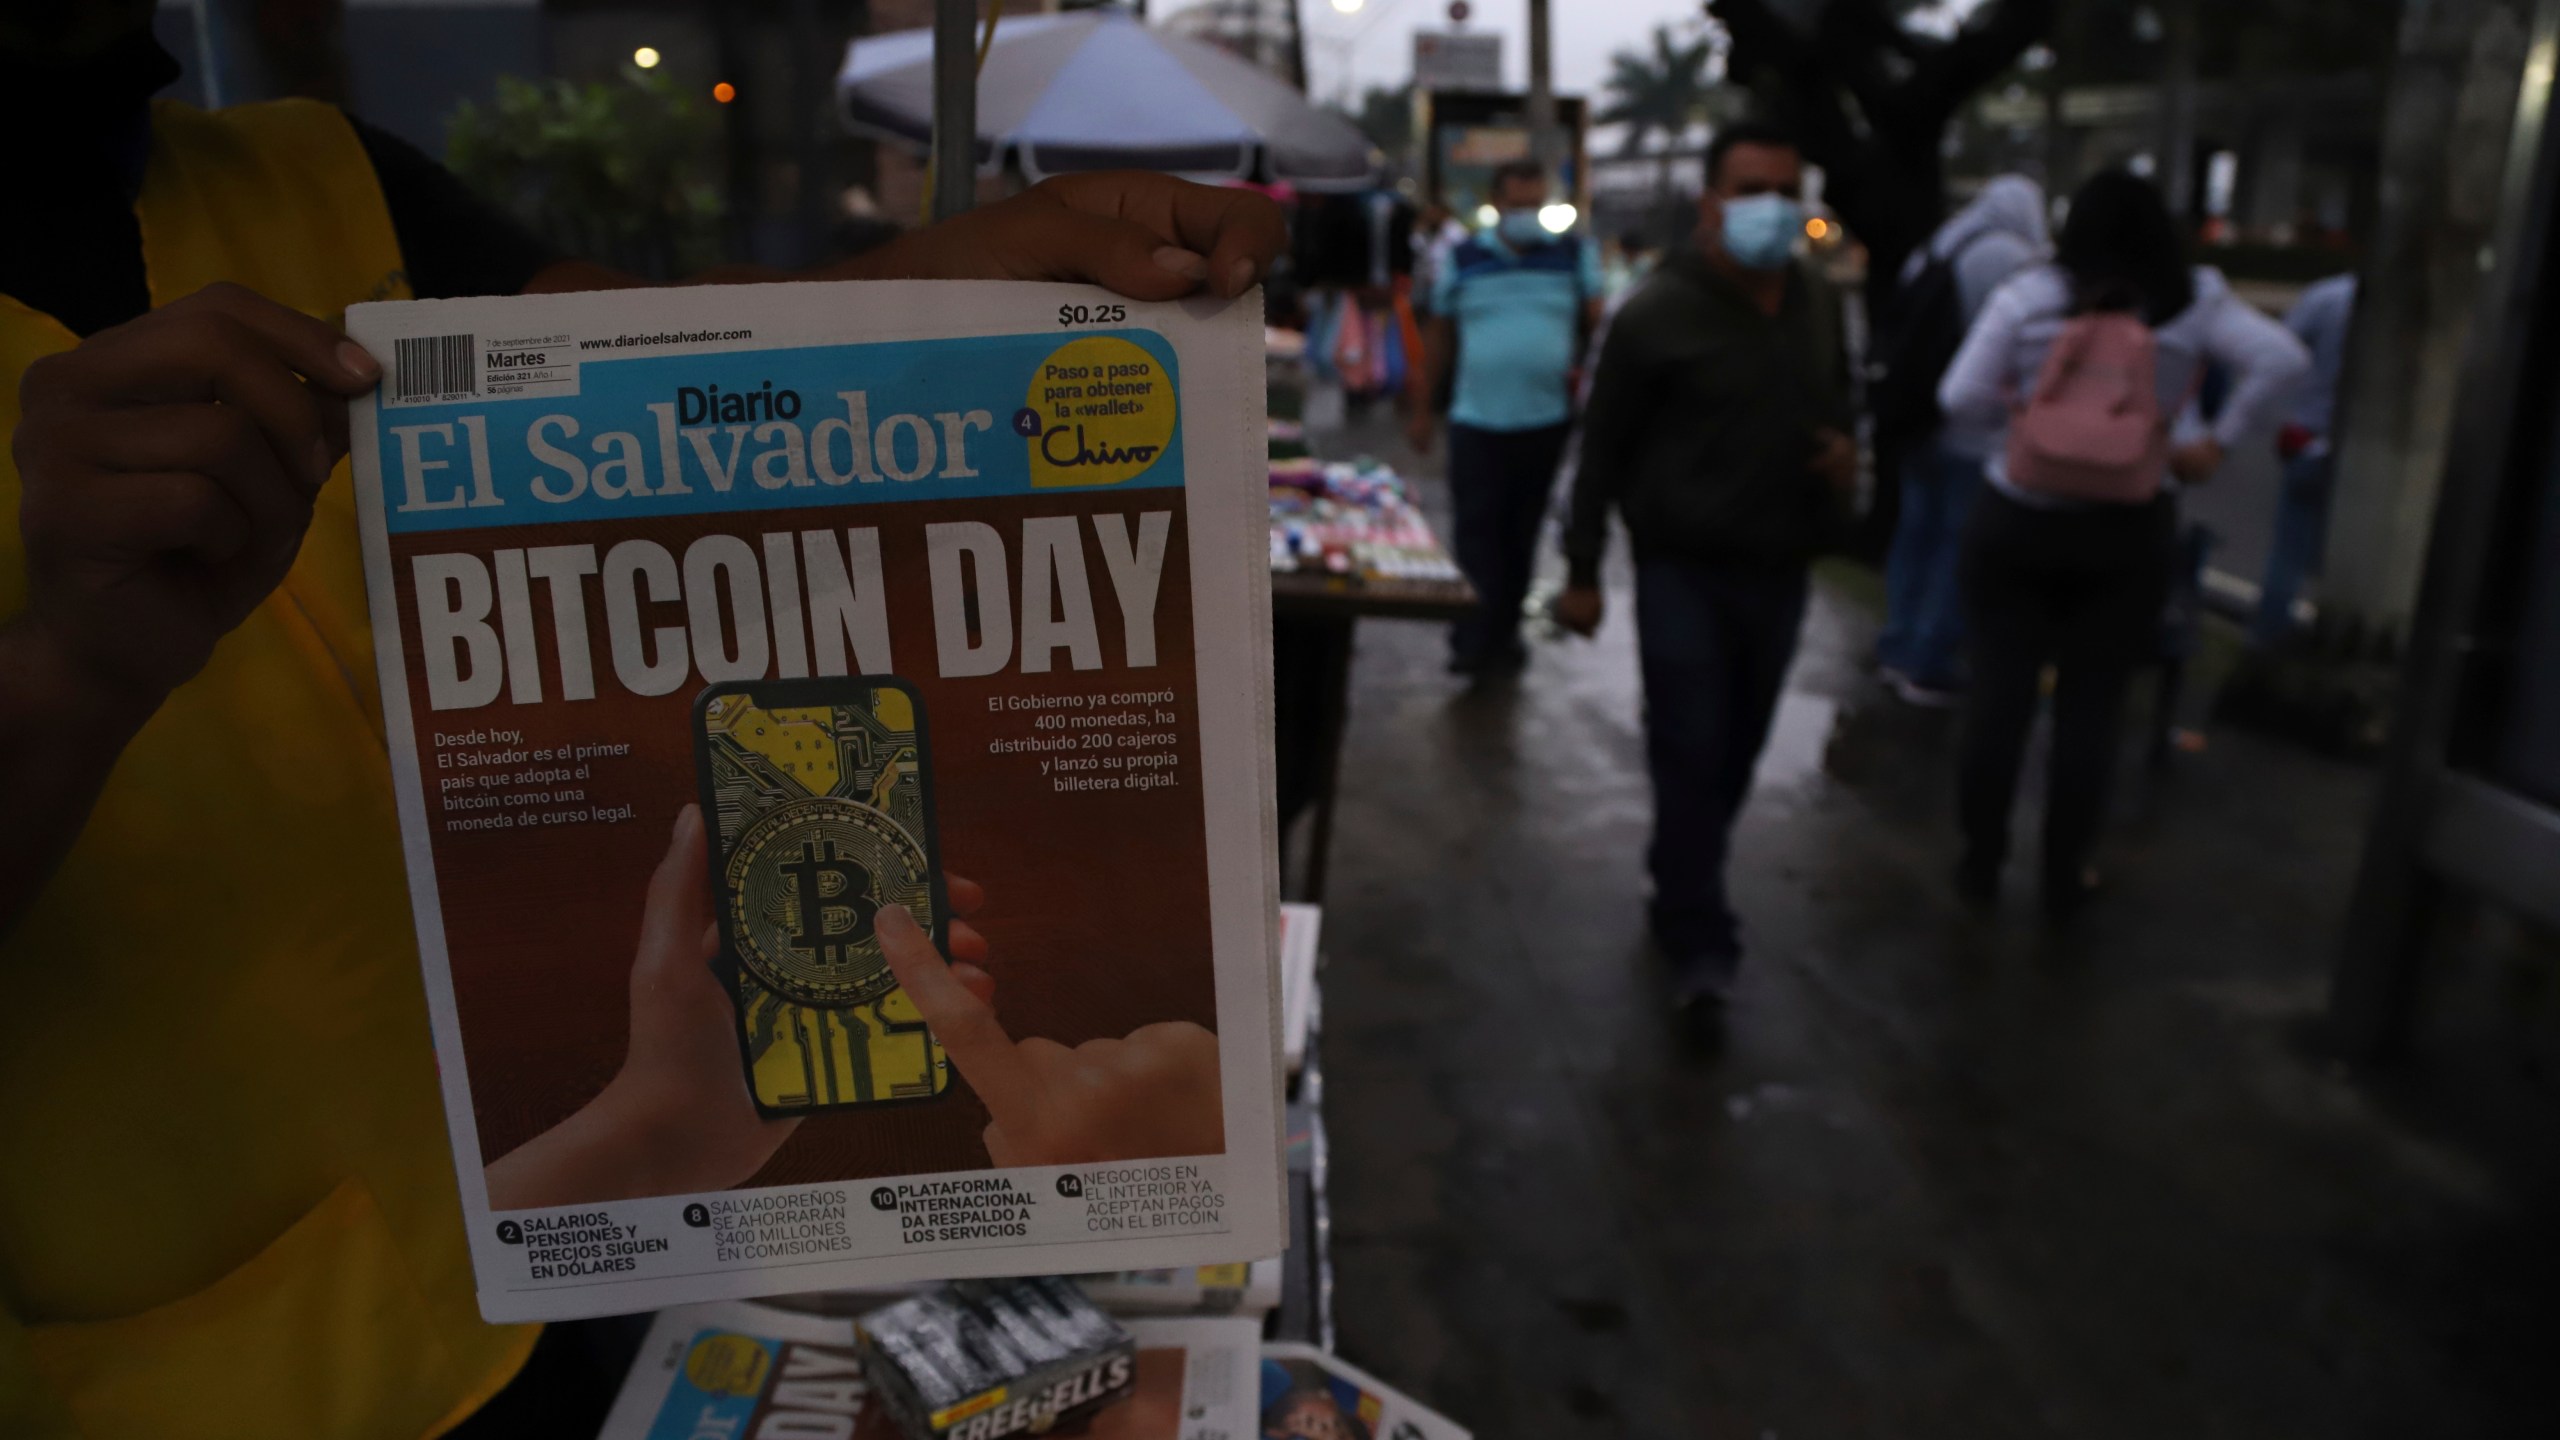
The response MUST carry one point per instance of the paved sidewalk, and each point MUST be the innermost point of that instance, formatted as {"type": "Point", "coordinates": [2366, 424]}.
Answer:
{"type": "Point", "coordinates": [1948, 1176]}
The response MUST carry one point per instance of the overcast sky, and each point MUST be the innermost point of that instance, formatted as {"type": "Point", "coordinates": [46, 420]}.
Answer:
{"type": "Point", "coordinates": [1377, 42]}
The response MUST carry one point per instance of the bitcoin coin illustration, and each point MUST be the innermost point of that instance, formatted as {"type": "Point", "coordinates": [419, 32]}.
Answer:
{"type": "Point", "coordinates": [804, 883]}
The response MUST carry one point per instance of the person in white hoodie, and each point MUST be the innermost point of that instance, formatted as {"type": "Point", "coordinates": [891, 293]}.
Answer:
{"type": "Point", "coordinates": [2078, 583]}
{"type": "Point", "coordinates": [1991, 239]}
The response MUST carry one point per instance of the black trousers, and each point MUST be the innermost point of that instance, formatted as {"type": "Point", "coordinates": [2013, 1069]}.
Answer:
{"type": "Point", "coordinates": [2080, 590]}
{"type": "Point", "coordinates": [1499, 481]}
{"type": "Point", "coordinates": [1716, 640]}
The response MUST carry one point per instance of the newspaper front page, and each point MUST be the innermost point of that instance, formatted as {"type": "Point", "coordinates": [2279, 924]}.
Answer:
{"type": "Point", "coordinates": [747, 653]}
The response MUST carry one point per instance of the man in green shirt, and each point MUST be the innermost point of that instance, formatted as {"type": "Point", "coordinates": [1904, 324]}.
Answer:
{"type": "Point", "coordinates": [1719, 428]}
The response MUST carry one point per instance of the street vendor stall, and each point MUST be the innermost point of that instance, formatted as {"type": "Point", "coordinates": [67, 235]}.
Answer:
{"type": "Point", "coordinates": [1347, 544]}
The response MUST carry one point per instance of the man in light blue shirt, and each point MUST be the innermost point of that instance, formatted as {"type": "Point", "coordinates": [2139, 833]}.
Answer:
{"type": "Point", "coordinates": [1511, 305]}
{"type": "Point", "coordinates": [2319, 320]}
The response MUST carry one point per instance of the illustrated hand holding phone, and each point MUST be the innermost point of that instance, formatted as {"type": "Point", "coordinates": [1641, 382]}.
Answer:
{"type": "Point", "coordinates": [1153, 1093]}
{"type": "Point", "coordinates": [677, 1118]}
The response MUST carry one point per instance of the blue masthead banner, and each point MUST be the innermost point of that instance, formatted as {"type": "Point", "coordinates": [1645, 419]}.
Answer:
{"type": "Point", "coordinates": [787, 428]}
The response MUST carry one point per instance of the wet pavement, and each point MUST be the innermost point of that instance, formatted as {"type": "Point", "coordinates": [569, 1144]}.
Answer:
{"type": "Point", "coordinates": [1944, 1175]}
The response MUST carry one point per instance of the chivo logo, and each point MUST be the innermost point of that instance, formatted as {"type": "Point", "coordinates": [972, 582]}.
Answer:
{"type": "Point", "coordinates": [1101, 410]}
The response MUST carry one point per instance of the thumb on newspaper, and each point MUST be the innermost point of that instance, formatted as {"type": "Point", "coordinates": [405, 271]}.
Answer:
{"type": "Point", "coordinates": [1154, 1091]}
{"type": "Point", "coordinates": [960, 1018]}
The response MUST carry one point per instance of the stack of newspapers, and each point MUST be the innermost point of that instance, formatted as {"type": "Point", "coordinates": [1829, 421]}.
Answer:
{"type": "Point", "coordinates": [742, 1369]}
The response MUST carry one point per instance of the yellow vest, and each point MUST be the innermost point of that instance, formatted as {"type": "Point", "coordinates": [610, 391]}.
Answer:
{"type": "Point", "coordinates": [226, 1205]}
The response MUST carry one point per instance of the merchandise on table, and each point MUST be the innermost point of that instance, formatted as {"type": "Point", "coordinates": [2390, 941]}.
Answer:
{"type": "Point", "coordinates": [739, 1370]}
{"type": "Point", "coordinates": [1357, 343]}
{"type": "Point", "coordinates": [788, 613]}
{"type": "Point", "coordinates": [982, 1359]}
{"type": "Point", "coordinates": [1353, 520]}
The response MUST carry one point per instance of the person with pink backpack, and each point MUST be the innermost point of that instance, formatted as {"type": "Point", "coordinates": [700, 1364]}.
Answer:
{"type": "Point", "coordinates": [2091, 365]}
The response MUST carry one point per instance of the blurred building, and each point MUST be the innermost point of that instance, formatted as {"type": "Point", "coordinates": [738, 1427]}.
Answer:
{"type": "Point", "coordinates": [1264, 32]}
{"type": "Point", "coordinates": [401, 64]}
{"type": "Point", "coordinates": [2281, 159]}
{"type": "Point", "coordinates": [799, 187]}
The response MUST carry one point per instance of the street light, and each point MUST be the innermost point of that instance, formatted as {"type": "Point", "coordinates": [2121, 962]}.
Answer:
{"type": "Point", "coordinates": [646, 57]}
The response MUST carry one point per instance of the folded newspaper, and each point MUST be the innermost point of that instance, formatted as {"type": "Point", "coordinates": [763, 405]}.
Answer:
{"type": "Point", "coordinates": [741, 1371]}
{"type": "Point", "coordinates": [831, 733]}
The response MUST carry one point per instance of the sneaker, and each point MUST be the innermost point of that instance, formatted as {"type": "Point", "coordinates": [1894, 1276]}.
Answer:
{"type": "Point", "coordinates": [1924, 694]}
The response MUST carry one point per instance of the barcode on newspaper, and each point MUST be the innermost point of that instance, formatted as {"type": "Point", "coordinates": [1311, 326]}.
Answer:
{"type": "Point", "coordinates": [434, 367]}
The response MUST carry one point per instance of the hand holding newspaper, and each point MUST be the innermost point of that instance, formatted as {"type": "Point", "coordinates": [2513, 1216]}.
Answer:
{"type": "Point", "coordinates": [831, 735]}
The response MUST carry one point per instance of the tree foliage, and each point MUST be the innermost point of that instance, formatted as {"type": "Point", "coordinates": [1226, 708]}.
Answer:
{"type": "Point", "coordinates": [621, 171]}
{"type": "Point", "coordinates": [1870, 99]}
{"type": "Point", "coordinates": [1662, 92]}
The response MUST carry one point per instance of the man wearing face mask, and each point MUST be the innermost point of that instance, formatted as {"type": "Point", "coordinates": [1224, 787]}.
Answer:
{"type": "Point", "coordinates": [1718, 428]}
{"type": "Point", "coordinates": [1511, 305]}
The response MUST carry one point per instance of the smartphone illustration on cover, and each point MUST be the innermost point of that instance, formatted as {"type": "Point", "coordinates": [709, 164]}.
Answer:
{"type": "Point", "coordinates": [818, 798]}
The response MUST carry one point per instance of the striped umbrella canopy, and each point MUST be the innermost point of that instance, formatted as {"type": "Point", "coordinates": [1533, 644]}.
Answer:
{"type": "Point", "coordinates": [1097, 90]}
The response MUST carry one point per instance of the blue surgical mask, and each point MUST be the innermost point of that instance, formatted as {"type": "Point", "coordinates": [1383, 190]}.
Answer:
{"type": "Point", "coordinates": [1521, 229]}
{"type": "Point", "coordinates": [1760, 230]}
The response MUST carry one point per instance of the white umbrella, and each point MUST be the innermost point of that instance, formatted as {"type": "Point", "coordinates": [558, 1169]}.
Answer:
{"type": "Point", "coordinates": [1096, 90]}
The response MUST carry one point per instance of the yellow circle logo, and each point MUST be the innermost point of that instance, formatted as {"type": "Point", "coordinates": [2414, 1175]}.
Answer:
{"type": "Point", "coordinates": [727, 1365]}
{"type": "Point", "coordinates": [1101, 410]}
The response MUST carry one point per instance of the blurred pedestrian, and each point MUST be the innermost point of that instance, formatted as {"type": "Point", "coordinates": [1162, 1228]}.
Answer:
{"type": "Point", "coordinates": [2091, 362]}
{"type": "Point", "coordinates": [2319, 320]}
{"type": "Point", "coordinates": [1437, 231]}
{"type": "Point", "coordinates": [1719, 431]}
{"type": "Point", "coordinates": [1509, 309]}
{"type": "Point", "coordinates": [1944, 288]}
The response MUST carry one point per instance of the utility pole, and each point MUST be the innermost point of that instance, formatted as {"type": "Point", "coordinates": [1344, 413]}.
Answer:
{"type": "Point", "coordinates": [812, 119]}
{"type": "Point", "coordinates": [2444, 141]}
{"type": "Point", "coordinates": [1544, 142]}
{"type": "Point", "coordinates": [2176, 170]}
{"type": "Point", "coordinates": [1298, 46]}
{"type": "Point", "coordinates": [955, 107]}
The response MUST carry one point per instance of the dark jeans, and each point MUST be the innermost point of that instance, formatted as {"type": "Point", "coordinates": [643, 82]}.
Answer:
{"type": "Point", "coordinates": [1924, 618]}
{"type": "Point", "coordinates": [2080, 590]}
{"type": "Point", "coordinates": [1499, 481]}
{"type": "Point", "coordinates": [1715, 640]}
{"type": "Point", "coordinates": [2302, 529]}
